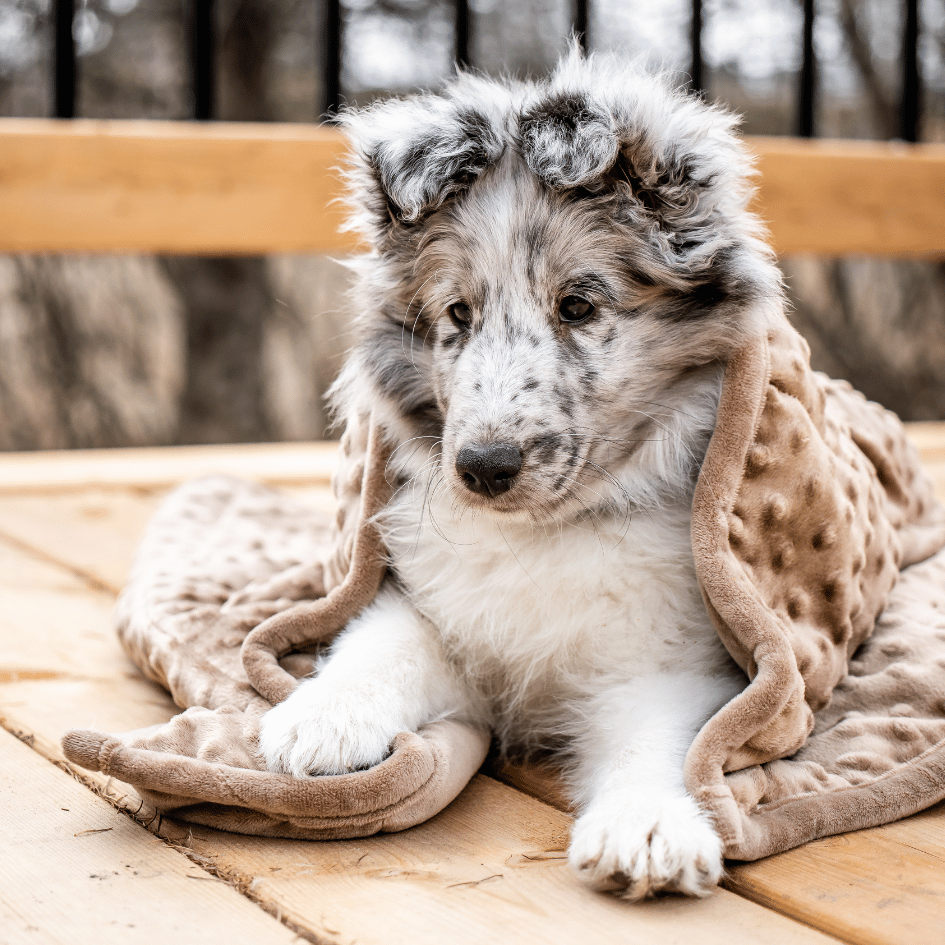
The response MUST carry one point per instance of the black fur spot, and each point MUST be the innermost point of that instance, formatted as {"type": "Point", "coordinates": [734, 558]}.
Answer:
{"type": "Point", "coordinates": [567, 140]}
{"type": "Point", "coordinates": [441, 160]}
{"type": "Point", "coordinates": [545, 447]}
{"type": "Point", "coordinates": [395, 374]}
{"type": "Point", "coordinates": [564, 399]}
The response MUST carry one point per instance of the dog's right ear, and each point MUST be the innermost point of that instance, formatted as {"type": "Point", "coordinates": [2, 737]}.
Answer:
{"type": "Point", "coordinates": [410, 155]}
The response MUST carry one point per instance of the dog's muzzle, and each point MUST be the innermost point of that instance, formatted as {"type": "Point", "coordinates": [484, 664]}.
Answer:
{"type": "Point", "coordinates": [489, 470]}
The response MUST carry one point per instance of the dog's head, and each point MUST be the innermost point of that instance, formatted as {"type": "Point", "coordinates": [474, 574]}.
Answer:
{"type": "Point", "coordinates": [558, 270]}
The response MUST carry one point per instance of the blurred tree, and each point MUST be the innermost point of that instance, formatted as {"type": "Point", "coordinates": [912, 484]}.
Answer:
{"type": "Point", "coordinates": [227, 301]}
{"type": "Point", "coordinates": [885, 117]}
{"type": "Point", "coordinates": [234, 361]}
{"type": "Point", "coordinates": [92, 352]}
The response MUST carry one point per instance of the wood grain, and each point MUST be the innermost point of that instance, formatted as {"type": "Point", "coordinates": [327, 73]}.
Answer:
{"type": "Point", "coordinates": [866, 888]}
{"type": "Point", "coordinates": [160, 467]}
{"type": "Point", "coordinates": [929, 439]}
{"type": "Point", "coordinates": [74, 869]}
{"type": "Point", "coordinates": [176, 187]}
{"type": "Point", "coordinates": [105, 527]}
{"type": "Point", "coordinates": [490, 868]}
{"type": "Point", "coordinates": [169, 187]}
{"type": "Point", "coordinates": [843, 197]}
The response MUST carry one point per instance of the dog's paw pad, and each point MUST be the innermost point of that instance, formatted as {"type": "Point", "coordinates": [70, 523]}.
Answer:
{"type": "Point", "coordinates": [640, 846]}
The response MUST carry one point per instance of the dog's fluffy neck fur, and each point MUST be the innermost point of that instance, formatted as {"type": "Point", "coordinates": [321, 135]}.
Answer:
{"type": "Point", "coordinates": [538, 619]}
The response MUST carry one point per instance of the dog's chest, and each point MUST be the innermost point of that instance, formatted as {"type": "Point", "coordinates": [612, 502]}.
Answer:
{"type": "Point", "coordinates": [563, 607]}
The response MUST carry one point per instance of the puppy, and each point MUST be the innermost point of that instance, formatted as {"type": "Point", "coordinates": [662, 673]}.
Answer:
{"type": "Point", "coordinates": [560, 271]}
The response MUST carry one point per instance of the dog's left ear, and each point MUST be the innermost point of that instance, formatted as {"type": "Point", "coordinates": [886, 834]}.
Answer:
{"type": "Point", "coordinates": [412, 154]}
{"type": "Point", "coordinates": [673, 163]}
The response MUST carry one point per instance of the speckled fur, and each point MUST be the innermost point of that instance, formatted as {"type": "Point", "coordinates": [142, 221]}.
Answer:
{"type": "Point", "coordinates": [564, 613]}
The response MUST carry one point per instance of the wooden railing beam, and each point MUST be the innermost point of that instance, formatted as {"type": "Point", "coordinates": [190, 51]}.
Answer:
{"type": "Point", "coordinates": [175, 187]}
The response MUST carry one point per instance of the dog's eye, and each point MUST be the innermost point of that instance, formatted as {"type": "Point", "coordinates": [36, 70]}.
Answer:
{"type": "Point", "coordinates": [460, 315]}
{"type": "Point", "coordinates": [574, 309]}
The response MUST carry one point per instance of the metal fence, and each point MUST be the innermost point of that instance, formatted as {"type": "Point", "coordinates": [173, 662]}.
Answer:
{"type": "Point", "coordinates": [200, 19]}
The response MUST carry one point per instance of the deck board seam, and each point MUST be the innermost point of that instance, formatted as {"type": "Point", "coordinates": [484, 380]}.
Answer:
{"type": "Point", "coordinates": [782, 908]}
{"type": "Point", "coordinates": [240, 883]}
{"type": "Point", "coordinates": [94, 583]}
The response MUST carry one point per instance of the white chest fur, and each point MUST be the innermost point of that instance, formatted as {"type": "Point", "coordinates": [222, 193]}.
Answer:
{"type": "Point", "coordinates": [542, 618]}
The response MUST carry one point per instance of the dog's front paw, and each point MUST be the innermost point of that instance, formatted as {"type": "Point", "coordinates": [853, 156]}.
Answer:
{"type": "Point", "coordinates": [638, 844]}
{"type": "Point", "coordinates": [313, 733]}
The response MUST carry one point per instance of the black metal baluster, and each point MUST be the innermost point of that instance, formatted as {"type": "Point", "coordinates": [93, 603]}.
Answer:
{"type": "Point", "coordinates": [805, 123]}
{"type": "Point", "coordinates": [581, 23]}
{"type": "Point", "coordinates": [331, 58]}
{"type": "Point", "coordinates": [201, 58]}
{"type": "Point", "coordinates": [696, 68]}
{"type": "Point", "coordinates": [461, 33]}
{"type": "Point", "coordinates": [911, 83]}
{"type": "Point", "coordinates": [64, 59]}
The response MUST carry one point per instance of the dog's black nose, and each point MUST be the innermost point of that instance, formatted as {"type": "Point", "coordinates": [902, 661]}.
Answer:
{"type": "Point", "coordinates": [490, 469]}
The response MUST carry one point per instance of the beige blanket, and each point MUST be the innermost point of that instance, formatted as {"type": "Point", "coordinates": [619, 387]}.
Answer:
{"type": "Point", "coordinates": [817, 542]}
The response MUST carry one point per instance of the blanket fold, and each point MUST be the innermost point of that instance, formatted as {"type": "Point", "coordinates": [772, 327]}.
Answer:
{"type": "Point", "coordinates": [818, 546]}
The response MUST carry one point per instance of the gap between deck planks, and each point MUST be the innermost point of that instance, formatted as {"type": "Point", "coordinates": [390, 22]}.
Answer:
{"type": "Point", "coordinates": [829, 885]}
{"type": "Point", "coordinates": [73, 869]}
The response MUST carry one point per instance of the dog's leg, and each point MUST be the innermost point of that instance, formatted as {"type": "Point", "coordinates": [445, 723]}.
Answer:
{"type": "Point", "coordinates": [385, 674]}
{"type": "Point", "coordinates": [639, 832]}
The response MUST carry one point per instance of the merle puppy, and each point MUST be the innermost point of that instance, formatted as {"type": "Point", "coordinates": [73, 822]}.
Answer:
{"type": "Point", "coordinates": [559, 272]}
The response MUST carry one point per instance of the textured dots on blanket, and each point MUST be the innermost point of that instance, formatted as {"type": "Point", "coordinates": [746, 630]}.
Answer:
{"type": "Point", "coordinates": [809, 524]}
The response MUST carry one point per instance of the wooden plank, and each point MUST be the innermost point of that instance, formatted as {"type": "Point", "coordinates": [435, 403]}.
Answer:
{"type": "Point", "coordinates": [924, 831]}
{"type": "Point", "coordinates": [52, 625]}
{"type": "Point", "coordinates": [867, 888]}
{"type": "Point", "coordinates": [169, 187]}
{"type": "Point", "coordinates": [489, 868]}
{"type": "Point", "coordinates": [95, 532]}
{"type": "Point", "coordinates": [135, 186]}
{"type": "Point", "coordinates": [72, 864]}
{"type": "Point", "coordinates": [160, 467]}
{"type": "Point", "coordinates": [929, 439]}
{"type": "Point", "coordinates": [840, 197]}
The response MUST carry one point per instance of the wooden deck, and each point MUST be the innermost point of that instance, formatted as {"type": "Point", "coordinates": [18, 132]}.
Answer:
{"type": "Point", "coordinates": [490, 868]}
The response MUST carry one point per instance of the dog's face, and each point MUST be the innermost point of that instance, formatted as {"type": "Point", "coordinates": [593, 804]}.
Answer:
{"type": "Point", "coordinates": [557, 270]}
